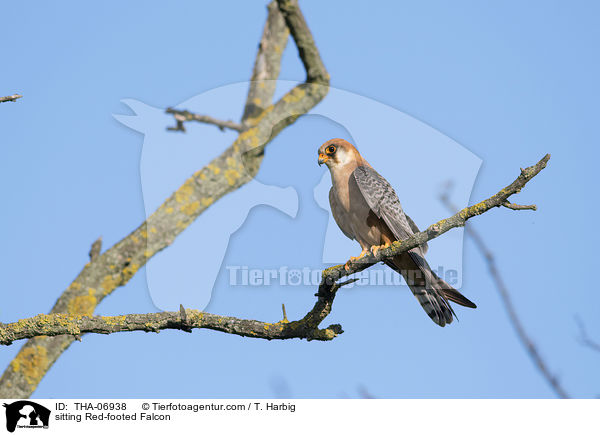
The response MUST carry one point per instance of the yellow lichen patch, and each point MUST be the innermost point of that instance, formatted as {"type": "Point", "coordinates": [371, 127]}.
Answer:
{"type": "Point", "coordinates": [32, 363]}
{"type": "Point", "coordinates": [330, 269]}
{"type": "Point", "coordinates": [249, 135]}
{"type": "Point", "coordinates": [257, 101]}
{"type": "Point", "coordinates": [232, 175]}
{"type": "Point", "coordinates": [110, 282]}
{"type": "Point", "coordinates": [253, 121]}
{"type": "Point", "coordinates": [190, 208]}
{"type": "Point", "coordinates": [129, 271]}
{"type": "Point", "coordinates": [294, 95]}
{"type": "Point", "coordinates": [264, 113]}
{"type": "Point", "coordinates": [478, 208]}
{"type": "Point", "coordinates": [153, 230]}
{"type": "Point", "coordinates": [169, 210]}
{"type": "Point", "coordinates": [21, 325]}
{"type": "Point", "coordinates": [214, 168]}
{"type": "Point", "coordinates": [184, 192]}
{"type": "Point", "coordinates": [58, 319]}
{"type": "Point", "coordinates": [181, 225]}
{"type": "Point", "coordinates": [144, 234]}
{"type": "Point", "coordinates": [115, 320]}
{"type": "Point", "coordinates": [135, 239]}
{"type": "Point", "coordinates": [231, 162]}
{"type": "Point", "coordinates": [148, 253]}
{"type": "Point", "coordinates": [75, 286]}
{"type": "Point", "coordinates": [207, 201]}
{"type": "Point", "coordinates": [84, 304]}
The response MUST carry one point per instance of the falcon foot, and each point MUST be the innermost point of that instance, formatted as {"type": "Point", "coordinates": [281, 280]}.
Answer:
{"type": "Point", "coordinates": [376, 248]}
{"type": "Point", "coordinates": [362, 254]}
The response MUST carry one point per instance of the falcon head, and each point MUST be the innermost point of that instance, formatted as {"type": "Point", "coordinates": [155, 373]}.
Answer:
{"type": "Point", "coordinates": [337, 152]}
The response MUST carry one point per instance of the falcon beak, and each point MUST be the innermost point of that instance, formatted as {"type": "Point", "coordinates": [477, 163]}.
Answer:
{"type": "Point", "coordinates": [322, 158]}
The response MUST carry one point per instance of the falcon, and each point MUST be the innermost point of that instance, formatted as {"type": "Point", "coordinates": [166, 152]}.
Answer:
{"type": "Point", "coordinates": [367, 209]}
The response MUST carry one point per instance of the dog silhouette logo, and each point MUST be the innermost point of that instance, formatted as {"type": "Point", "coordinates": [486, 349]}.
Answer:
{"type": "Point", "coordinates": [26, 414]}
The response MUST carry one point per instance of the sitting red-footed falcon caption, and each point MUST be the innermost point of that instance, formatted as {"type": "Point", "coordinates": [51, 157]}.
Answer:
{"type": "Point", "coordinates": [367, 209]}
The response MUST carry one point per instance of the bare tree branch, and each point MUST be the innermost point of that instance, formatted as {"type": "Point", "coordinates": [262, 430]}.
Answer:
{"type": "Point", "coordinates": [183, 115]}
{"type": "Point", "coordinates": [266, 65]}
{"type": "Point", "coordinates": [65, 324]}
{"type": "Point", "coordinates": [307, 327]}
{"type": "Point", "coordinates": [10, 98]}
{"type": "Point", "coordinates": [515, 321]}
{"type": "Point", "coordinates": [307, 49]}
{"type": "Point", "coordinates": [236, 166]}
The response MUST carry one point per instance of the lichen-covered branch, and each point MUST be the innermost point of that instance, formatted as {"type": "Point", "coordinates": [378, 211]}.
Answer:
{"type": "Point", "coordinates": [76, 325]}
{"type": "Point", "coordinates": [236, 166]}
{"type": "Point", "coordinates": [307, 327]}
{"type": "Point", "coordinates": [266, 64]}
{"type": "Point", "coordinates": [519, 327]}
{"type": "Point", "coordinates": [182, 116]}
{"type": "Point", "coordinates": [10, 98]}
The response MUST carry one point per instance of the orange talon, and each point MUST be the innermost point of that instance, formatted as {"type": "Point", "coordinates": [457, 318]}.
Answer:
{"type": "Point", "coordinates": [376, 248]}
{"type": "Point", "coordinates": [362, 254]}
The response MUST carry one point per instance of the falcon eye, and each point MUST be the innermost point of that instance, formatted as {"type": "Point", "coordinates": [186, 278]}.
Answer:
{"type": "Point", "coordinates": [330, 149]}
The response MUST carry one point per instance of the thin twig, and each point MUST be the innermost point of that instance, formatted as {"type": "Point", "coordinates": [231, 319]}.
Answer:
{"type": "Point", "coordinates": [10, 98]}
{"type": "Point", "coordinates": [96, 249]}
{"type": "Point", "coordinates": [182, 116]}
{"type": "Point", "coordinates": [584, 338]}
{"type": "Point", "coordinates": [519, 206]}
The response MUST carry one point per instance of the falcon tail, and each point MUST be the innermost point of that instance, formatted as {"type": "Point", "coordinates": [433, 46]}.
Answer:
{"type": "Point", "coordinates": [452, 294]}
{"type": "Point", "coordinates": [435, 304]}
{"type": "Point", "coordinates": [432, 292]}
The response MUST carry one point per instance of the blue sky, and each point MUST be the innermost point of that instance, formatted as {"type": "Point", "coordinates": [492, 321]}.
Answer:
{"type": "Point", "coordinates": [508, 82]}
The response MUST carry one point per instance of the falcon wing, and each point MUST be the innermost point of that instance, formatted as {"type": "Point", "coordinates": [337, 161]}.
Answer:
{"type": "Point", "coordinates": [383, 201]}
{"type": "Point", "coordinates": [339, 214]}
{"type": "Point", "coordinates": [431, 291]}
{"type": "Point", "coordinates": [415, 228]}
